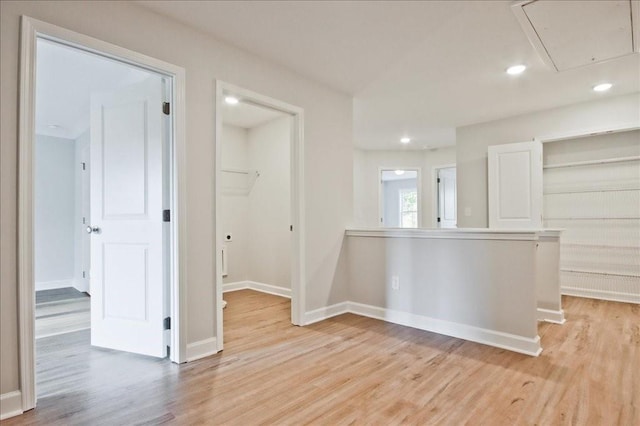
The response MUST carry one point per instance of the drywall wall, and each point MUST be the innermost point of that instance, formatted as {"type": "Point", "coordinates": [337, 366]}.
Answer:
{"type": "Point", "coordinates": [269, 215]}
{"type": "Point", "coordinates": [235, 201]}
{"type": "Point", "coordinates": [328, 151]}
{"type": "Point", "coordinates": [54, 212]}
{"type": "Point", "coordinates": [366, 180]}
{"type": "Point", "coordinates": [472, 142]}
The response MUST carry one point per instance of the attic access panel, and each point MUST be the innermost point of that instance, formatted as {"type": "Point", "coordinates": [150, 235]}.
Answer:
{"type": "Point", "coordinates": [569, 34]}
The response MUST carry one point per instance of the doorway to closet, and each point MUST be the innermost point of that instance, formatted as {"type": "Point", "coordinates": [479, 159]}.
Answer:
{"type": "Point", "coordinates": [258, 205]}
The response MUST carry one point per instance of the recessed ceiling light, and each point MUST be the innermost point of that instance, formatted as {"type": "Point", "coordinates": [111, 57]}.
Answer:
{"type": "Point", "coordinates": [399, 172]}
{"type": "Point", "coordinates": [516, 69]}
{"type": "Point", "coordinates": [231, 100]}
{"type": "Point", "coordinates": [405, 140]}
{"type": "Point", "coordinates": [602, 87]}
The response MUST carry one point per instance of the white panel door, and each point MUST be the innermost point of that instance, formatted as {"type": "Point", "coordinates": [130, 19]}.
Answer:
{"type": "Point", "coordinates": [447, 199]}
{"type": "Point", "coordinates": [515, 185]}
{"type": "Point", "coordinates": [127, 308]}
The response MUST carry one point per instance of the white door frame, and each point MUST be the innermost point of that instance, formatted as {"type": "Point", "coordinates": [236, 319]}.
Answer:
{"type": "Point", "coordinates": [418, 171]}
{"type": "Point", "coordinates": [298, 279]}
{"type": "Point", "coordinates": [434, 189]}
{"type": "Point", "coordinates": [31, 30]}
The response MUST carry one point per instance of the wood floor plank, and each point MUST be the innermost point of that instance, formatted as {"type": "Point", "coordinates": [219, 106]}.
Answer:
{"type": "Point", "coordinates": [352, 370]}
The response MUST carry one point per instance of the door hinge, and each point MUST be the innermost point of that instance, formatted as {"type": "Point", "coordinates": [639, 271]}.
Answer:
{"type": "Point", "coordinates": [167, 323]}
{"type": "Point", "coordinates": [291, 228]}
{"type": "Point", "coordinates": [166, 215]}
{"type": "Point", "coordinates": [84, 274]}
{"type": "Point", "coordinates": [438, 180]}
{"type": "Point", "coordinates": [84, 166]}
{"type": "Point", "coordinates": [438, 220]}
{"type": "Point", "coordinates": [166, 108]}
{"type": "Point", "coordinates": [84, 220]}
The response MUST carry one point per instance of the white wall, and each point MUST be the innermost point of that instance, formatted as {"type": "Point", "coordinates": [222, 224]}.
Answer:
{"type": "Point", "coordinates": [472, 142]}
{"type": "Point", "coordinates": [54, 212]}
{"type": "Point", "coordinates": [366, 181]}
{"type": "Point", "coordinates": [235, 202]}
{"type": "Point", "coordinates": [269, 215]}
{"type": "Point", "coordinates": [328, 151]}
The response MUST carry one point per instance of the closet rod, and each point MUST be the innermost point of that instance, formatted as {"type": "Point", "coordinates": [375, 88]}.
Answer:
{"type": "Point", "coordinates": [592, 162]}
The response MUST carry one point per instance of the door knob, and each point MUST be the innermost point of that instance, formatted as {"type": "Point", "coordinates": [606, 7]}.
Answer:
{"type": "Point", "coordinates": [94, 230]}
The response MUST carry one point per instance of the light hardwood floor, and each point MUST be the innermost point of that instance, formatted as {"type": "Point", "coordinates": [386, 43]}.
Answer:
{"type": "Point", "coordinates": [354, 370]}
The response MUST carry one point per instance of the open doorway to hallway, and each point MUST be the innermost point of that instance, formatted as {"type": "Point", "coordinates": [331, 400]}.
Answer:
{"type": "Point", "coordinates": [102, 194]}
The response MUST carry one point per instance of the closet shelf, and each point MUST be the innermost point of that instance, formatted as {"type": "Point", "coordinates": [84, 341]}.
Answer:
{"type": "Point", "coordinates": [243, 188]}
{"type": "Point", "coordinates": [600, 273]}
{"type": "Point", "coordinates": [592, 162]}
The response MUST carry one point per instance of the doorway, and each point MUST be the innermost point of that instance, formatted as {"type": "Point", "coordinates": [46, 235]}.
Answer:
{"type": "Point", "coordinates": [259, 198]}
{"type": "Point", "coordinates": [98, 183]}
{"type": "Point", "coordinates": [399, 198]}
{"type": "Point", "coordinates": [446, 197]}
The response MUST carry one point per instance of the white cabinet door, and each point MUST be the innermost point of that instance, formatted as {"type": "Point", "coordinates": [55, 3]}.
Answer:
{"type": "Point", "coordinates": [515, 185]}
{"type": "Point", "coordinates": [127, 308]}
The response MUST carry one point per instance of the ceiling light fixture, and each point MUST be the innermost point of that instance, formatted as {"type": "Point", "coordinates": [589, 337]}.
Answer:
{"type": "Point", "coordinates": [231, 100]}
{"type": "Point", "coordinates": [603, 87]}
{"type": "Point", "coordinates": [405, 140]}
{"type": "Point", "coordinates": [516, 69]}
{"type": "Point", "coordinates": [399, 172]}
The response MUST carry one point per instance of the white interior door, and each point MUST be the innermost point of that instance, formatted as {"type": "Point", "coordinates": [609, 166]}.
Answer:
{"type": "Point", "coordinates": [127, 308]}
{"type": "Point", "coordinates": [447, 199]}
{"type": "Point", "coordinates": [515, 185]}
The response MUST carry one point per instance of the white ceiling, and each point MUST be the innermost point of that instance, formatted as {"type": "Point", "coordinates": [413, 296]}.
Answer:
{"type": "Point", "coordinates": [65, 79]}
{"type": "Point", "coordinates": [414, 68]}
{"type": "Point", "coordinates": [247, 115]}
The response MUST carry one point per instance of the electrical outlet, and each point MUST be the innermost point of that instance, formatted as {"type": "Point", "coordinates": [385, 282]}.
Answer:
{"type": "Point", "coordinates": [395, 282]}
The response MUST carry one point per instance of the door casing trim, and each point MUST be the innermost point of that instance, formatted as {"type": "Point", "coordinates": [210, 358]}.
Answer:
{"type": "Point", "coordinates": [31, 30]}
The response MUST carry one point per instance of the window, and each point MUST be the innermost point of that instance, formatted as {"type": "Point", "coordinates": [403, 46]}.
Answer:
{"type": "Point", "coordinates": [399, 198]}
{"type": "Point", "coordinates": [408, 208]}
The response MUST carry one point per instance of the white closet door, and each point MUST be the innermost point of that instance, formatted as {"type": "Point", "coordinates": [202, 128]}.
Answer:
{"type": "Point", "coordinates": [515, 185]}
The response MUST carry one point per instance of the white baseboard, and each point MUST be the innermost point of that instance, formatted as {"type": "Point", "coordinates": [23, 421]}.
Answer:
{"type": "Point", "coordinates": [548, 315]}
{"type": "Point", "coordinates": [257, 286]}
{"type": "Point", "coordinates": [50, 285]}
{"type": "Point", "coordinates": [512, 342]}
{"type": "Point", "coordinates": [202, 349]}
{"type": "Point", "coordinates": [326, 312]}
{"type": "Point", "coordinates": [600, 294]}
{"type": "Point", "coordinates": [10, 404]}
{"type": "Point", "coordinates": [81, 285]}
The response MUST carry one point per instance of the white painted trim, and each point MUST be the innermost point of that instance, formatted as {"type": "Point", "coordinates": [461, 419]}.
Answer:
{"type": "Point", "coordinates": [257, 286]}
{"type": "Point", "coordinates": [613, 296]}
{"type": "Point", "coordinates": [512, 342]}
{"type": "Point", "coordinates": [298, 252]}
{"type": "Point", "coordinates": [31, 29]}
{"type": "Point", "coordinates": [10, 404]}
{"type": "Point", "coordinates": [235, 286]}
{"type": "Point", "coordinates": [50, 285]}
{"type": "Point", "coordinates": [592, 162]}
{"type": "Point", "coordinates": [419, 199]}
{"type": "Point", "coordinates": [548, 315]}
{"type": "Point", "coordinates": [448, 233]}
{"type": "Point", "coordinates": [580, 133]}
{"type": "Point", "coordinates": [435, 193]}
{"type": "Point", "coordinates": [518, 10]}
{"type": "Point", "coordinates": [327, 312]}
{"type": "Point", "coordinates": [202, 349]}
